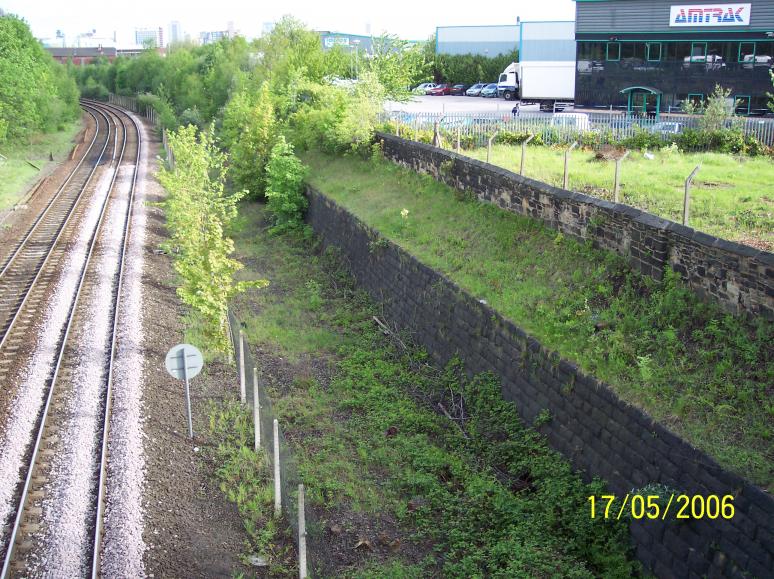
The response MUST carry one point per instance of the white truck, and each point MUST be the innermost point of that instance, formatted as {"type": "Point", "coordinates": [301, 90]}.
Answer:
{"type": "Point", "coordinates": [550, 84]}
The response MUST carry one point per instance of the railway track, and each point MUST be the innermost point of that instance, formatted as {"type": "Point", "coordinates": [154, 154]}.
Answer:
{"type": "Point", "coordinates": [97, 297]}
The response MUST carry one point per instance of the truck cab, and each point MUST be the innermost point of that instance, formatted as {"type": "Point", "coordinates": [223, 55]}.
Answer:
{"type": "Point", "coordinates": [508, 83]}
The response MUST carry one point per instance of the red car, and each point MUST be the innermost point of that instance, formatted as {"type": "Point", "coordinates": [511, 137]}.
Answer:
{"type": "Point", "coordinates": [440, 90]}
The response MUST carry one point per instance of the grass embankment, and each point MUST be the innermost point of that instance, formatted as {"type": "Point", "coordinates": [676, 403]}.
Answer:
{"type": "Point", "coordinates": [397, 489]}
{"type": "Point", "coordinates": [705, 374]}
{"type": "Point", "coordinates": [17, 175]}
{"type": "Point", "coordinates": [732, 197]}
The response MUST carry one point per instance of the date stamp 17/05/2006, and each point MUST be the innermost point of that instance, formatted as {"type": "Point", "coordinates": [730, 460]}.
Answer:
{"type": "Point", "coordinates": [654, 507]}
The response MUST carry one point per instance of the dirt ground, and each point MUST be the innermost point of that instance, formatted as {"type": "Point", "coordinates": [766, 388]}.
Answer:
{"type": "Point", "coordinates": [191, 530]}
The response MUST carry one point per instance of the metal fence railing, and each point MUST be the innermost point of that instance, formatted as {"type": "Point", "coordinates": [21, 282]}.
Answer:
{"type": "Point", "coordinates": [588, 128]}
{"type": "Point", "coordinates": [289, 475]}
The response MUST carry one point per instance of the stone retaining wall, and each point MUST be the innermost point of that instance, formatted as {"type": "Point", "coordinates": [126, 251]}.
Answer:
{"type": "Point", "coordinates": [590, 425]}
{"type": "Point", "coordinates": [737, 276]}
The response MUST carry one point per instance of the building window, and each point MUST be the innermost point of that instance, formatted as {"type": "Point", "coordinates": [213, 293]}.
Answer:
{"type": "Point", "coordinates": [695, 99]}
{"type": "Point", "coordinates": [742, 104]}
{"type": "Point", "coordinates": [613, 51]}
{"type": "Point", "coordinates": [654, 51]}
{"type": "Point", "coordinates": [747, 52]}
{"type": "Point", "coordinates": [698, 52]}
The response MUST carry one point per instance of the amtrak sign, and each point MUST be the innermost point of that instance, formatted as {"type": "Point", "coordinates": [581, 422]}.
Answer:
{"type": "Point", "coordinates": [722, 14]}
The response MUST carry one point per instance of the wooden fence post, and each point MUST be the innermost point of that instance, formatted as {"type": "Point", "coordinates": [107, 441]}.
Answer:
{"type": "Point", "coordinates": [256, 410]}
{"type": "Point", "coordinates": [617, 185]}
{"type": "Point", "coordinates": [566, 181]}
{"type": "Point", "coordinates": [687, 197]}
{"type": "Point", "coordinates": [242, 386]}
{"type": "Point", "coordinates": [524, 152]}
{"type": "Point", "coordinates": [277, 486]}
{"type": "Point", "coordinates": [489, 144]}
{"type": "Point", "coordinates": [301, 533]}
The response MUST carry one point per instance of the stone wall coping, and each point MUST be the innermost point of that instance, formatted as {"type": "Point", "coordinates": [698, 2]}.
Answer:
{"type": "Point", "coordinates": [699, 237]}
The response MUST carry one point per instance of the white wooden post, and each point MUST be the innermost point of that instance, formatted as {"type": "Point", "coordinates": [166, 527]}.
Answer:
{"type": "Point", "coordinates": [459, 131]}
{"type": "Point", "coordinates": [301, 534]}
{"type": "Point", "coordinates": [242, 389]}
{"type": "Point", "coordinates": [256, 410]}
{"type": "Point", "coordinates": [277, 487]}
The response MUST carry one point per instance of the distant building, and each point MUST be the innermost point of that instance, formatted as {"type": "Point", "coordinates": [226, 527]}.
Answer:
{"type": "Point", "coordinates": [175, 33]}
{"type": "Point", "coordinates": [352, 42]}
{"type": "Point", "coordinates": [81, 55]}
{"type": "Point", "coordinates": [213, 36]}
{"type": "Point", "coordinates": [483, 40]}
{"type": "Point", "coordinates": [149, 36]}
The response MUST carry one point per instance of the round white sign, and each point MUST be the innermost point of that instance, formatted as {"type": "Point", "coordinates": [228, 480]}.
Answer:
{"type": "Point", "coordinates": [184, 361]}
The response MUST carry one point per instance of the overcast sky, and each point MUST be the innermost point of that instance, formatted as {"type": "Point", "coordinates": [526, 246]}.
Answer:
{"type": "Point", "coordinates": [409, 19]}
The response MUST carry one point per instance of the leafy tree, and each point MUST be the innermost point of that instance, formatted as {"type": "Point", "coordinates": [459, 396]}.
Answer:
{"type": "Point", "coordinates": [35, 91]}
{"type": "Point", "coordinates": [396, 63]}
{"type": "Point", "coordinates": [248, 133]}
{"type": "Point", "coordinates": [285, 189]}
{"type": "Point", "coordinates": [198, 211]}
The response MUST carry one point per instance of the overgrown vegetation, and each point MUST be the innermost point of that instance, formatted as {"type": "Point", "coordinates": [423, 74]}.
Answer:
{"type": "Point", "coordinates": [198, 210]}
{"type": "Point", "coordinates": [245, 479]}
{"type": "Point", "coordinates": [487, 499]}
{"type": "Point", "coordinates": [705, 373]}
{"type": "Point", "coordinates": [36, 93]}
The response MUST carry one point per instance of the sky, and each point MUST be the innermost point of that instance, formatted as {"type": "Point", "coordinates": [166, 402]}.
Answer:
{"type": "Point", "coordinates": [409, 19]}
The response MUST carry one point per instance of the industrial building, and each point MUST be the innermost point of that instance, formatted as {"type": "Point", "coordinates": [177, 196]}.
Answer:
{"type": "Point", "coordinates": [651, 56]}
{"type": "Point", "coordinates": [351, 42]}
{"type": "Point", "coordinates": [481, 40]}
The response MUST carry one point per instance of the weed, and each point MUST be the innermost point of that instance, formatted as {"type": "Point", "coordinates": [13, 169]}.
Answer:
{"type": "Point", "coordinates": [654, 342]}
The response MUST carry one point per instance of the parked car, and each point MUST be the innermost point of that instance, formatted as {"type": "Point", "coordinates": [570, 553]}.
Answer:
{"type": "Point", "coordinates": [667, 128]}
{"type": "Point", "coordinates": [440, 90]}
{"type": "Point", "coordinates": [459, 89]}
{"type": "Point", "coordinates": [489, 91]}
{"type": "Point", "coordinates": [423, 88]}
{"type": "Point", "coordinates": [576, 121]}
{"type": "Point", "coordinates": [475, 90]}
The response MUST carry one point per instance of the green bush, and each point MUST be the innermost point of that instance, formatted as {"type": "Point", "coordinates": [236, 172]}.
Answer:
{"type": "Point", "coordinates": [643, 139]}
{"type": "Point", "coordinates": [285, 176]}
{"type": "Point", "coordinates": [516, 138]}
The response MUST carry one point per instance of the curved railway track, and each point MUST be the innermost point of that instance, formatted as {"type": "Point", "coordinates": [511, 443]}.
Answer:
{"type": "Point", "coordinates": [30, 265]}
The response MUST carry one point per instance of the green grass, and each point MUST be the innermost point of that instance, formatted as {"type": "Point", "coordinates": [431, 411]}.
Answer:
{"type": "Point", "coordinates": [377, 458]}
{"type": "Point", "coordinates": [732, 197]}
{"type": "Point", "coordinates": [698, 370]}
{"type": "Point", "coordinates": [17, 176]}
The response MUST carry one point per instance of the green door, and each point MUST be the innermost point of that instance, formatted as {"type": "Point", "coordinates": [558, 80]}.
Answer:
{"type": "Point", "coordinates": [643, 103]}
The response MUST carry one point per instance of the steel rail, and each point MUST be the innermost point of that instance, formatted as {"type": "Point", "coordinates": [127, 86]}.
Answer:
{"type": "Point", "coordinates": [54, 198]}
{"type": "Point", "coordinates": [42, 266]}
{"type": "Point", "coordinates": [102, 483]}
{"type": "Point", "coordinates": [43, 419]}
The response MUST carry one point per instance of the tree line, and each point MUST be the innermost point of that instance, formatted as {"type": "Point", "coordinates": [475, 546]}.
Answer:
{"type": "Point", "coordinates": [36, 92]}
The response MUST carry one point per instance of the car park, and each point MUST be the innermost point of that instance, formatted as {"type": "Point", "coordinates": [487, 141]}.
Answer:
{"type": "Point", "coordinates": [459, 89]}
{"type": "Point", "coordinates": [489, 91]}
{"type": "Point", "coordinates": [440, 90]}
{"type": "Point", "coordinates": [423, 88]}
{"type": "Point", "coordinates": [475, 90]}
{"type": "Point", "coordinates": [667, 128]}
{"type": "Point", "coordinates": [575, 121]}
